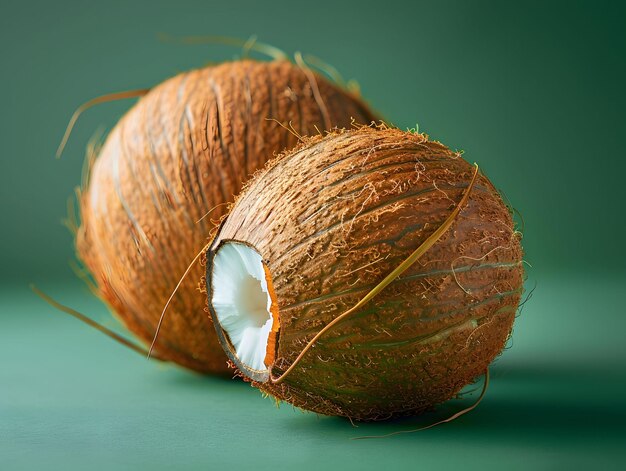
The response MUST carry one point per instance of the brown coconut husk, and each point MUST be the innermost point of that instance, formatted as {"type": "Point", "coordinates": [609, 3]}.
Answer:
{"type": "Point", "coordinates": [164, 175]}
{"type": "Point", "coordinates": [334, 217]}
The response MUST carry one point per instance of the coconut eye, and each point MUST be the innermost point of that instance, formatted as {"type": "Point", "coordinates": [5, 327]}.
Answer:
{"type": "Point", "coordinates": [241, 298]}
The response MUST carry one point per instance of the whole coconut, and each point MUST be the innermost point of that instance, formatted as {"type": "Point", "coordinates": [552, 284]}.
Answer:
{"type": "Point", "coordinates": [164, 175]}
{"type": "Point", "coordinates": [318, 229]}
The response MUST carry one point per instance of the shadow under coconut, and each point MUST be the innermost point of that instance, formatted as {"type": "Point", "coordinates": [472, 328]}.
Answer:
{"type": "Point", "coordinates": [209, 392]}
{"type": "Point", "coordinates": [180, 377]}
{"type": "Point", "coordinates": [532, 405]}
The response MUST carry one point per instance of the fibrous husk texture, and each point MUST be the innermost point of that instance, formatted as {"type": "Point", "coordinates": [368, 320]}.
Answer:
{"type": "Point", "coordinates": [181, 152]}
{"type": "Point", "coordinates": [335, 216]}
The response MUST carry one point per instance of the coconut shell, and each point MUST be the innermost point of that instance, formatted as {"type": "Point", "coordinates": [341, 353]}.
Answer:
{"type": "Point", "coordinates": [162, 179]}
{"type": "Point", "coordinates": [334, 217]}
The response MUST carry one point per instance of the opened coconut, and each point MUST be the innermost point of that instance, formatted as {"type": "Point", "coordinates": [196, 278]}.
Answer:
{"type": "Point", "coordinates": [311, 238]}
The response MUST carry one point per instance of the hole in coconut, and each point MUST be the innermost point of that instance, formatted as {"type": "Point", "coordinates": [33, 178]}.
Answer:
{"type": "Point", "coordinates": [243, 300]}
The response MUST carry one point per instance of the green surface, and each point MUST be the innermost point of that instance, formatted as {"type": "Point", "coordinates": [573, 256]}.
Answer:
{"type": "Point", "coordinates": [72, 399]}
{"type": "Point", "coordinates": [532, 91]}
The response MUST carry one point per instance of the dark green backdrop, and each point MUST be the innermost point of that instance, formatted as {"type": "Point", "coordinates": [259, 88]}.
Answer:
{"type": "Point", "coordinates": [532, 91]}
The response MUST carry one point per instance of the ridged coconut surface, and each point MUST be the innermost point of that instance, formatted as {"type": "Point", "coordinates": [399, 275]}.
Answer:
{"type": "Point", "coordinates": [335, 216]}
{"type": "Point", "coordinates": [184, 150]}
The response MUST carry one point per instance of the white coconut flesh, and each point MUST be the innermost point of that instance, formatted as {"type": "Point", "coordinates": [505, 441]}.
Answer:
{"type": "Point", "coordinates": [242, 302]}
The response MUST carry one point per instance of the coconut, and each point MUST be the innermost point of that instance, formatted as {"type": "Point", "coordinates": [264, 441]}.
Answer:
{"type": "Point", "coordinates": [310, 239]}
{"type": "Point", "coordinates": [164, 175]}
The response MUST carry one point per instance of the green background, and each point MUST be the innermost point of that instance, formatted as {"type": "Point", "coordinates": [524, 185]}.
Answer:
{"type": "Point", "coordinates": [532, 91]}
